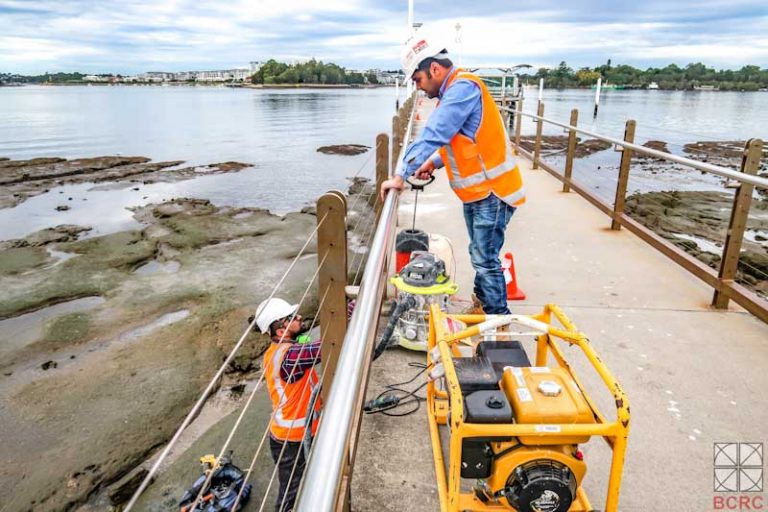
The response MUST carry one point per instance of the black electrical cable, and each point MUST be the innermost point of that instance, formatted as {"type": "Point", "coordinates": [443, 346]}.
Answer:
{"type": "Point", "coordinates": [406, 303]}
{"type": "Point", "coordinates": [389, 399]}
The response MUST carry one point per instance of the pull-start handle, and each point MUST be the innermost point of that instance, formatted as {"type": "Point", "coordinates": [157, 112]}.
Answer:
{"type": "Point", "coordinates": [420, 186]}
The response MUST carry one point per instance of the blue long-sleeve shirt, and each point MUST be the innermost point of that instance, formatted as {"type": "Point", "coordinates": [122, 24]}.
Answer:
{"type": "Point", "coordinates": [460, 111]}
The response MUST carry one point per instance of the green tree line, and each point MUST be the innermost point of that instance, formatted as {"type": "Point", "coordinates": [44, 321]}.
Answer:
{"type": "Point", "coordinates": [671, 77]}
{"type": "Point", "coordinates": [45, 78]}
{"type": "Point", "coordinates": [310, 72]}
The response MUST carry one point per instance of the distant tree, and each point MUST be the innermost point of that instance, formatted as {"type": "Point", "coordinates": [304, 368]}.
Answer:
{"type": "Point", "coordinates": [587, 77]}
{"type": "Point", "coordinates": [355, 78]}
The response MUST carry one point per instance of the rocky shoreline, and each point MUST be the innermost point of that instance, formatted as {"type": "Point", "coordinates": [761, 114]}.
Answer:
{"type": "Point", "coordinates": [697, 222]}
{"type": "Point", "coordinates": [22, 179]}
{"type": "Point", "coordinates": [129, 326]}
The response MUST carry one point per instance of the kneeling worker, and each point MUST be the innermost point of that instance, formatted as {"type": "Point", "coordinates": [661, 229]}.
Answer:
{"type": "Point", "coordinates": [289, 371]}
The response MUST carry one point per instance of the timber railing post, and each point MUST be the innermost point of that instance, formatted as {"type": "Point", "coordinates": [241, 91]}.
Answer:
{"type": "Point", "coordinates": [539, 127]}
{"type": "Point", "coordinates": [750, 163]}
{"type": "Point", "coordinates": [621, 186]}
{"type": "Point", "coordinates": [395, 139]}
{"type": "Point", "coordinates": [382, 167]}
{"type": "Point", "coordinates": [571, 150]}
{"type": "Point", "coordinates": [518, 124]}
{"type": "Point", "coordinates": [332, 256]}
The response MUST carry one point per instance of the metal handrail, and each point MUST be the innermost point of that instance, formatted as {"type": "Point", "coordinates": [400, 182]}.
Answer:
{"type": "Point", "coordinates": [325, 467]}
{"type": "Point", "coordinates": [702, 166]}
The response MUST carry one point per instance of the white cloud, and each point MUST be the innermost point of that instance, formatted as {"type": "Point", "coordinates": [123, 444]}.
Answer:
{"type": "Point", "coordinates": [132, 35]}
{"type": "Point", "coordinates": [25, 49]}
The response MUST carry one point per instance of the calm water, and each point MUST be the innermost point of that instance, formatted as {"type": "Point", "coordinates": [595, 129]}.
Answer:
{"type": "Point", "coordinates": [279, 132]}
{"type": "Point", "coordinates": [676, 117]}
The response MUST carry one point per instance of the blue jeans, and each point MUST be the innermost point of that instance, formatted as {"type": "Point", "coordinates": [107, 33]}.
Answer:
{"type": "Point", "coordinates": [486, 222]}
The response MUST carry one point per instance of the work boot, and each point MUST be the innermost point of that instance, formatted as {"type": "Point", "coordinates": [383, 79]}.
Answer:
{"type": "Point", "coordinates": [477, 307]}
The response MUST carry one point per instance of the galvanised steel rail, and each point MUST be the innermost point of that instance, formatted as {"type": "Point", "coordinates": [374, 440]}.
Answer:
{"type": "Point", "coordinates": [327, 463]}
{"type": "Point", "coordinates": [702, 166]}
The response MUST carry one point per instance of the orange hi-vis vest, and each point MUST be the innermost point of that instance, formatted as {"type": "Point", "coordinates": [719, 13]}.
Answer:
{"type": "Point", "coordinates": [484, 166]}
{"type": "Point", "coordinates": [289, 399]}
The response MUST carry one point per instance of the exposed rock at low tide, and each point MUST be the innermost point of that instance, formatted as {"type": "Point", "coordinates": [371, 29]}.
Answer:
{"type": "Point", "coordinates": [115, 402]}
{"type": "Point", "coordinates": [22, 179]}
{"type": "Point", "coordinates": [344, 149]}
{"type": "Point", "coordinates": [559, 144]}
{"type": "Point", "coordinates": [683, 217]}
{"type": "Point", "coordinates": [726, 153]}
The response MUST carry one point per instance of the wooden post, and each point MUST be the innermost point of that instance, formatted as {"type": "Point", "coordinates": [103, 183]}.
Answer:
{"type": "Point", "coordinates": [571, 150]}
{"type": "Point", "coordinates": [382, 167]}
{"type": "Point", "coordinates": [750, 163]}
{"type": "Point", "coordinates": [395, 141]}
{"type": "Point", "coordinates": [518, 124]}
{"type": "Point", "coordinates": [539, 127]}
{"type": "Point", "coordinates": [332, 240]}
{"type": "Point", "coordinates": [621, 186]}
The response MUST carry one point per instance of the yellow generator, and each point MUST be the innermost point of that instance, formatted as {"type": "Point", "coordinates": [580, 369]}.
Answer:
{"type": "Point", "coordinates": [514, 428]}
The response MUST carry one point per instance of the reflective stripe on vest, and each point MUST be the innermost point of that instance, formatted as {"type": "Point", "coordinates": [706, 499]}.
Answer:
{"type": "Point", "coordinates": [469, 177]}
{"type": "Point", "coordinates": [288, 398]}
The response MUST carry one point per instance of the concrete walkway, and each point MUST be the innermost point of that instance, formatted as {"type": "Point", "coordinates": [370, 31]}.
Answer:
{"type": "Point", "coordinates": [694, 376]}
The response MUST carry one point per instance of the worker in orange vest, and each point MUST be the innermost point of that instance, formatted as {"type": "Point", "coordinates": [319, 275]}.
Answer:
{"type": "Point", "coordinates": [466, 135]}
{"type": "Point", "coordinates": [289, 372]}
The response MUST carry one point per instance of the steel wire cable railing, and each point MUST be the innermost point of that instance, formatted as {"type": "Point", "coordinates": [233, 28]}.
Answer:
{"type": "Point", "coordinates": [362, 254]}
{"type": "Point", "coordinates": [247, 404]}
{"type": "Point", "coordinates": [354, 204]}
{"type": "Point", "coordinates": [219, 373]}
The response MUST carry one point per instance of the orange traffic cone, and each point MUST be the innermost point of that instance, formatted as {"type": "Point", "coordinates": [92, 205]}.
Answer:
{"type": "Point", "coordinates": [418, 117]}
{"type": "Point", "coordinates": [508, 267]}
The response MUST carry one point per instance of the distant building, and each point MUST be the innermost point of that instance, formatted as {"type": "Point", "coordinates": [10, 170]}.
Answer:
{"type": "Point", "coordinates": [255, 65]}
{"type": "Point", "coordinates": [225, 75]}
{"type": "Point", "coordinates": [155, 76]}
{"type": "Point", "coordinates": [221, 75]}
{"type": "Point", "coordinates": [97, 78]}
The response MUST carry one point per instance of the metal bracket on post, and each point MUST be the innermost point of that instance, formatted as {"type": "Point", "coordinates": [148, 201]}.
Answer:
{"type": "Point", "coordinates": [750, 163]}
{"type": "Point", "coordinates": [571, 151]}
{"type": "Point", "coordinates": [539, 128]}
{"type": "Point", "coordinates": [332, 239]}
{"type": "Point", "coordinates": [621, 186]}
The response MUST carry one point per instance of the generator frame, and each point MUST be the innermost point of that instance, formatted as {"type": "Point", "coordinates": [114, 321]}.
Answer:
{"type": "Point", "coordinates": [440, 403]}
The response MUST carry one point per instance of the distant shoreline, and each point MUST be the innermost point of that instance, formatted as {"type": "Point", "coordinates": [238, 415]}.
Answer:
{"type": "Point", "coordinates": [205, 84]}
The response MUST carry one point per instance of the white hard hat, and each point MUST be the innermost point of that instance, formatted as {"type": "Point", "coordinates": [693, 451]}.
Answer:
{"type": "Point", "coordinates": [421, 45]}
{"type": "Point", "coordinates": [271, 310]}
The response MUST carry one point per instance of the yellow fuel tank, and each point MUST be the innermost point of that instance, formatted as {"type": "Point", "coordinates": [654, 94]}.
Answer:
{"type": "Point", "coordinates": [547, 397]}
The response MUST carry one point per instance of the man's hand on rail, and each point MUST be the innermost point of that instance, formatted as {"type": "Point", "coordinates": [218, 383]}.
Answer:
{"type": "Point", "coordinates": [396, 183]}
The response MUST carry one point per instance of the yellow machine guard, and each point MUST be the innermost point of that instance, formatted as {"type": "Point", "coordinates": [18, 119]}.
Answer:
{"type": "Point", "coordinates": [561, 429]}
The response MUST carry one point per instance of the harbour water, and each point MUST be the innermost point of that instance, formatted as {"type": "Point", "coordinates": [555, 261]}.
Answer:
{"type": "Point", "coordinates": [278, 131]}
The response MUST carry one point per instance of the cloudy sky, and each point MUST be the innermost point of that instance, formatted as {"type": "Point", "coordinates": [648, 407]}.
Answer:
{"type": "Point", "coordinates": [131, 36]}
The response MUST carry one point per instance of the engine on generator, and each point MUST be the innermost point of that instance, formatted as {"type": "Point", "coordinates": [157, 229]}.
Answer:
{"type": "Point", "coordinates": [526, 473]}
{"type": "Point", "coordinates": [514, 428]}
